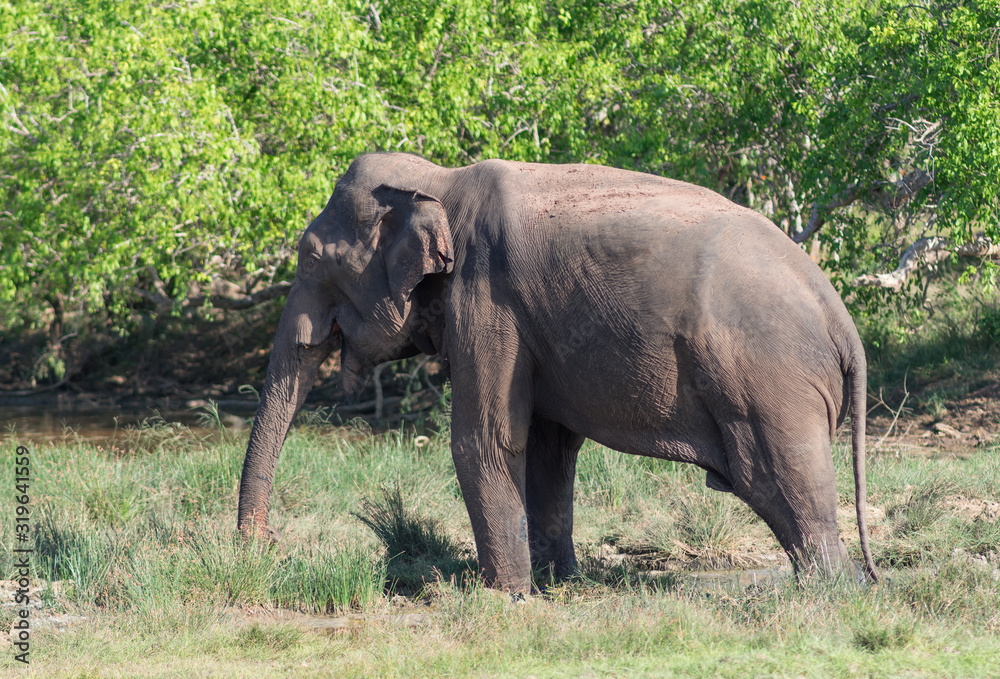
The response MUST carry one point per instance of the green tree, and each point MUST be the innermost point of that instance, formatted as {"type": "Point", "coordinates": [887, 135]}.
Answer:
{"type": "Point", "coordinates": [163, 157]}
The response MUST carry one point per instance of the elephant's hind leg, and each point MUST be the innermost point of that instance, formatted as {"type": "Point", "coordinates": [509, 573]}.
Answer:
{"type": "Point", "coordinates": [551, 467]}
{"type": "Point", "coordinates": [784, 471]}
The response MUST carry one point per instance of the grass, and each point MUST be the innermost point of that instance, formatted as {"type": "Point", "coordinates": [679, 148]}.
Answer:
{"type": "Point", "coordinates": [142, 539]}
{"type": "Point", "coordinates": [417, 547]}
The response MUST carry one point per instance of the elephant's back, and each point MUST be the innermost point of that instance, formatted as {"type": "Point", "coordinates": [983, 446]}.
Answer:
{"type": "Point", "coordinates": [579, 193]}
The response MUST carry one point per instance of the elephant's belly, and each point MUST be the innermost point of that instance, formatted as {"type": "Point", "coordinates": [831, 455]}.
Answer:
{"type": "Point", "coordinates": [656, 426]}
{"type": "Point", "coordinates": [665, 446]}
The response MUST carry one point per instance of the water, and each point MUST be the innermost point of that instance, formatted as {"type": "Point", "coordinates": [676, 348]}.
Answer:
{"type": "Point", "coordinates": [710, 581]}
{"type": "Point", "coordinates": [41, 425]}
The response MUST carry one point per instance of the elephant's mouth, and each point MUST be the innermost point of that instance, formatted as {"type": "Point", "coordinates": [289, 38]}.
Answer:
{"type": "Point", "coordinates": [352, 371]}
{"type": "Point", "coordinates": [333, 342]}
{"type": "Point", "coordinates": [336, 338]}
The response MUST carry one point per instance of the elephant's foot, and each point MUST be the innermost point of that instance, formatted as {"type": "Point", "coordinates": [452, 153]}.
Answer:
{"type": "Point", "coordinates": [502, 547]}
{"type": "Point", "coordinates": [511, 577]}
{"type": "Point", "coordinates": [552, 560]}
{"type": "Point", "coordinates": [826, 558]}
{"type": "Point", "coordinates": [551, 468]}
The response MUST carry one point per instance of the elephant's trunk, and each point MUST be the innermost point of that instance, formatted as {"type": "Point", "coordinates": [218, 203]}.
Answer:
{"type": "Point", "coordinates": [290, 375]}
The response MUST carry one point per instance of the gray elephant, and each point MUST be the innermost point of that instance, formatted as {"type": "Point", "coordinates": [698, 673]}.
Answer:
{"type": "Point", "coordinates": [571, 302]}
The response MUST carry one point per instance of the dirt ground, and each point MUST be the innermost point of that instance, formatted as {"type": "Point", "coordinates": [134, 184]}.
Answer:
{"type": "Point", "coordinates": [953, 427]}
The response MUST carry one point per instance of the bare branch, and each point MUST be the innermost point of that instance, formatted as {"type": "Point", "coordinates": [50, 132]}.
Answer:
{"type": "Point", "coordinates": [924, 252]}
{"type": "Point", "coordinates": [817, 217]}
{"type": "Point", "coordinates": [523, 128]}
{"type": "Point", "coordinates": [438, 53]}
{"type": "Point", "coordinates": [375, 18]}
{"type": "Point", "coordinates": [927, 252]}
{"type": "Point", "coordinates": [245, 301]}
{"type": "Point", "coordinates": [895, 194]}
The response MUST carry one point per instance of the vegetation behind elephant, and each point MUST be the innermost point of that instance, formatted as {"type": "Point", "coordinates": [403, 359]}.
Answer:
{"type": "Point", "coordinates": [572, 301]}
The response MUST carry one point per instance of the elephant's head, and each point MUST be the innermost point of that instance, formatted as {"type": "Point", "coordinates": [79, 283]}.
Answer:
{"type": "Point", "coordinates": [361, 267]}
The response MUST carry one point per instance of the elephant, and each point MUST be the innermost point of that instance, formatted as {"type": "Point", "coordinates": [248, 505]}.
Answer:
{"type": "Point", "coordinates": [578, 301]}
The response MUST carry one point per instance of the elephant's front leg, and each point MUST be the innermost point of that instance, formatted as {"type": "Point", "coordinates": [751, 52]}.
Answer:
{"type": "Point", "coordinates": [551, 469]}
{"type": "Point", "coordinates": [491, 475]}
{"type": "Point", "coordinates": [490, 423]}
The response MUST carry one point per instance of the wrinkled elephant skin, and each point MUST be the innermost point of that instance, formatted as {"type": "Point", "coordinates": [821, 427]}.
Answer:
{"type": "Point", "coordinates": [571, 302]}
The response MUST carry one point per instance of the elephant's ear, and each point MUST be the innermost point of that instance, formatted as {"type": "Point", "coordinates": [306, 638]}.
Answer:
{"type": "Point", "coordinates": [414, 240]}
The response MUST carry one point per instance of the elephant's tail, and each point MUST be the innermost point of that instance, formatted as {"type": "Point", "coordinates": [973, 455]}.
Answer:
{"type": "Point", "coordinates": [858, 376]}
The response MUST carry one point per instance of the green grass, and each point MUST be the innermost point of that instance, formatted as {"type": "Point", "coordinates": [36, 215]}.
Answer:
{"type": "Point", "coordinates": [142, 538]}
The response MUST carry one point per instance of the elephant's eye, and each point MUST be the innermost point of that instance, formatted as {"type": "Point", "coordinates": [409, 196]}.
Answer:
{"type": "Point", "coordinates": [312, 259]}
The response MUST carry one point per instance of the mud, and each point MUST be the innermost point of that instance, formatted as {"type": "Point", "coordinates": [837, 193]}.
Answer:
{"type": "Point", "coordinates": [726, 580]}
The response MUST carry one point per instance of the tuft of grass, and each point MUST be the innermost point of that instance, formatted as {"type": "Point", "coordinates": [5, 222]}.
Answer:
{"type": "Point", "coordinates": [875, 623]}
{"type": "Point", "coordinates": [88, 559]}
{"type": "Point", "coordinates": [270, 637]}
{"type": "Point", "coordinates": [113, 504]}
{"type": "Point", "coordinates": [417, 549]}
{"type": "Point", "coordinates": [711, 524]}
{"type": "Point", "coordinates": [921, 507]}
{"type": "Point", "coordinates": [233, 570]}
{"type": "Point", "coordinates": [981, 535]}
{"type": "Point", "coordinates": [402, 532]}
{"type": "Point", "coordinates": [876, 638]}
{"type": "Point", "coordinates": [327, 581]}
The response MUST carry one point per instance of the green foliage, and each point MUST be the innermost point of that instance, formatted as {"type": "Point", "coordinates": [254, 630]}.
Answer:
{"type": "Point", "coordinates": [987, 326]}
{"type": "Point", "coordinates": [148, 149]}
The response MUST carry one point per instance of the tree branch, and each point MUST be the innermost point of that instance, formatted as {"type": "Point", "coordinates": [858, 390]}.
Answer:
{"type": "Point", "coordinates": [891, 196]}
{"type": "Point", "coordinates": [924, 252]}
{"type": "Point", "coordinates": [244, 301]}
{"type": "Point", "coordinates": [221, 301]}
{"type": "Point", "coordinates": [818, 219]}
{"type": "Point", "coordinates": [980, 246]}
{"type": "Point", "coordinates": [894, 194]}
{"type": "Point", "coordinates": [927, 252]}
